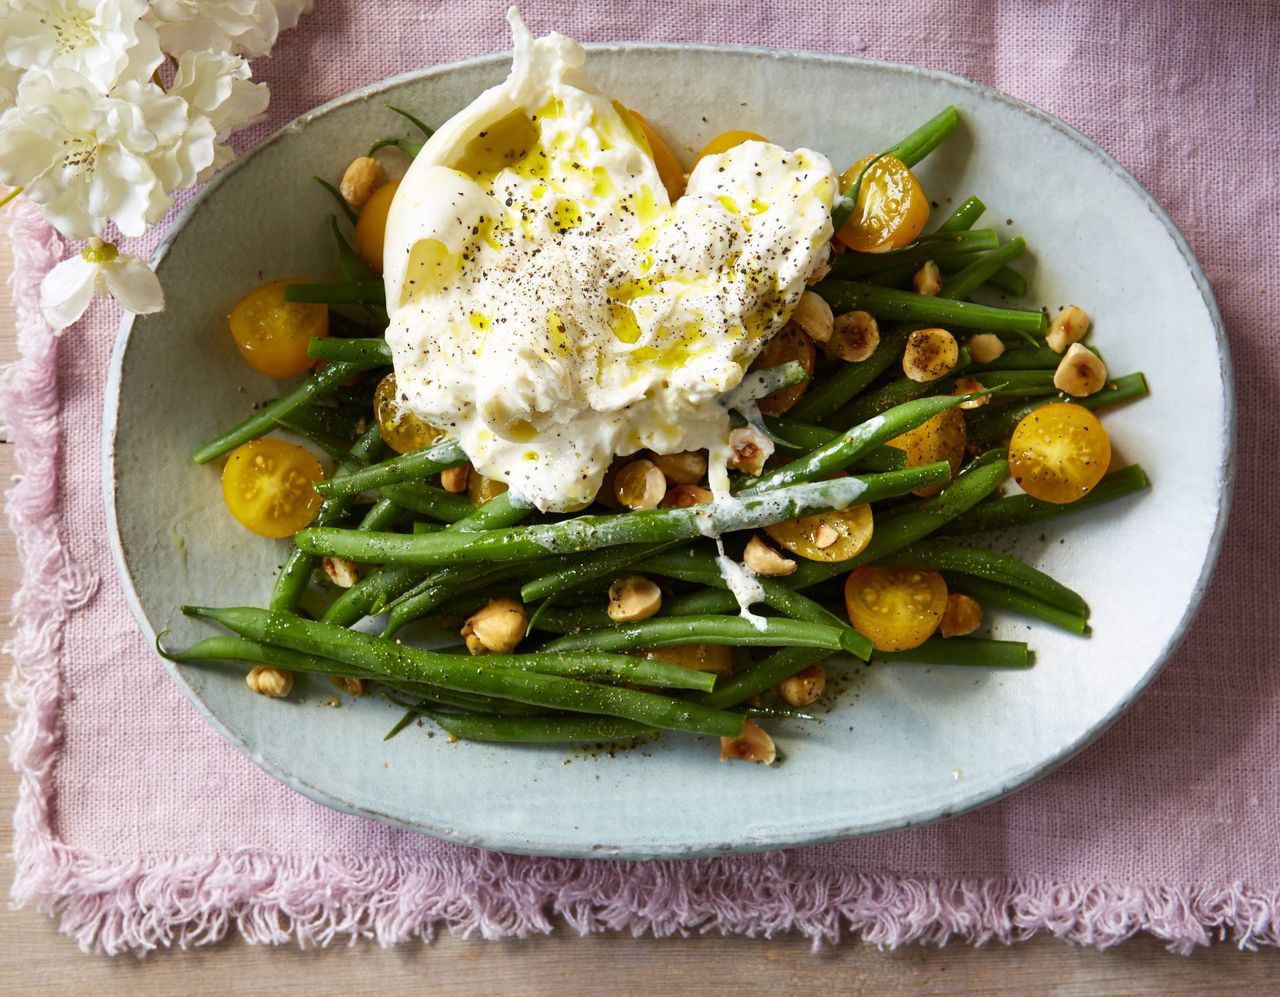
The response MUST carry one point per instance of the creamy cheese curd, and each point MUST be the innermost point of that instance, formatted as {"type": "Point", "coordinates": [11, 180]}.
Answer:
{"type": "Point", "coordinates": [550, 307]}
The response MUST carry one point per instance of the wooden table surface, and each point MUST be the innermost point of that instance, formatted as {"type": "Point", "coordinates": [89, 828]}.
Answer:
{"type": "Point", "coordinates": [34, 958]}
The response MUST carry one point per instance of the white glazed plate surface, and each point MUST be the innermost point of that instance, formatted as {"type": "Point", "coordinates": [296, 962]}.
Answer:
{"type": "Point", "coordinates": [906, 744]}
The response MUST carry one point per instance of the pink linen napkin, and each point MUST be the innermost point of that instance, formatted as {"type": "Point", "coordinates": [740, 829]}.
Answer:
{"type": "Point", "coordinates": [139, 827]}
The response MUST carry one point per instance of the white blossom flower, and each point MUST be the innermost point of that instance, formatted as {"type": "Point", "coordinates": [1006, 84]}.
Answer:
{"type": "Point", "coordinates": [241, 27]}
{"type": "Point", "coordinates": [102, 40]}
{"type": "Point", "coordinates": [86, 157]}
{"type": "Point", "coordinates": [216, 86]}
{"type": "Point", "coordinates": [100, 270]}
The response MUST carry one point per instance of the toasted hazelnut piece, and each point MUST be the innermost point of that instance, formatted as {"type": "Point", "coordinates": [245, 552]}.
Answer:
{"type": "Point", "coordinates": [930, 353]}
{"type": "Point", "coordinates": [1068, 326]}
{"type": "Point", "coordinates": [764, 560]}
{"type": "Point", "coordinates": [274, 682]}
{"type": "Point", "coordinates": [455, 479]}
{"type": "Point", "coordinates": [360, 180]}
{"type": "Point", "coordinates": [813, 317]}
{"type": "Point", "coordinates": [341, 572]}
{"type": "Point", "coordinates": [825, 536]}
{"type": "Point", "coordinates": [1080, 372]}
{"type": "Point", "coordinates": [804, 687]}
{"type": "Point", "coordinates": [854, 337]}
{"type": "Point", "coordinates": [985, 347]}
{"type": "Point", "coordinates": [752, 745]}
{"type": "Point", "coordinates": [751, 449]}
{"type": "Point", "coordinates": [823, 268]}
{"type": "Point", "coordinates": [497, 628]}
{"type": "Point", "coordinates": [928, 279]}
{"type": "Point", "coordinates": [967, 385]}
{"type": "Point", "coordinates": [351, 686]}
{"type": "Point", "coordinates": [962, 616]}
{"type": "Point", "coordinates": [686, 468]}
{"type": "Point", "coordinates": [640, 485]}
{"type": "Point", "coordinates": [683, 496]}
{"type": "Point", "coordinates": [633, 598]}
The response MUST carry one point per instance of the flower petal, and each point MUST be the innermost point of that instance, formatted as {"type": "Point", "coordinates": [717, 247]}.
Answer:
{"type": "Point", "coordinates": [134, 284]}
{"type": "Point", "coordinates": [66, 291]}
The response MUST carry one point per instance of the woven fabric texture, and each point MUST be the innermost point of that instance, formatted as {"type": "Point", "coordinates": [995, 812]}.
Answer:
{"type": "Point", "coordinates": [139, 826]}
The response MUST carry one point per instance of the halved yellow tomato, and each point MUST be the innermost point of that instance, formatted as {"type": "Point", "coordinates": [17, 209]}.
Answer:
{"type": "Point", "coordinates": [726, 141]}
{"type": "Point", "coordinates": [268, 487]}
{"type": "Point", "coordinates": [826, 536]}
{"type": "Point", "coordinates": [371, 225]}
{"type": "Point", "coordinates": [1058, 452]}
{"type": "Point", "coordinates": [669, 168]}
{"type": "Point", "coordinates": [941, 438]}
{"type": "Point", "coordinates": [272, 334]}
{"type": "Point", "coordinates": [788, 345]}
{"type": "Point", "coordinates": [895, 608]}
{"type": "Point", "coordinates": [891, 210]}
{"type": "Point", "coordinates": [399, 428]}
{"type": "Point", "coordinates": [714, 658]}
{"type": "Point", "coordinates": [481, 489]}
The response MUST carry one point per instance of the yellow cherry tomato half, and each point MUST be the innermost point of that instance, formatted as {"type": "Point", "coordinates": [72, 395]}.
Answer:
{"type": "Point", "coordinates": [272, 334]}
{"type": "Point", "coordinates": [789, 345]}
{"type": "Point", "coordinates": [1059, 452]}
{"type": "Point", "coordinates": [895, 608]}
{"type": "Point", "coordinates": [399, 428]}
{"type": "Point", "coordinates": [826, 536]}
{"type": "Point", "coordinates": [714, 658]}
{"type": "Point", "coordinates": [726, 141]}
{"type": "Point", "coordinates": [268, 487]}
{"type": "Point", "coordinates": [940, 438]}
{"type": "Point", "coordinates": [481, 489]}
{"type": "Point", "coordinates": [669, 168]}
{"type": "Point", "coordinates": [371, 225]}
{"type": "Point", "coordinates": [891, 209]}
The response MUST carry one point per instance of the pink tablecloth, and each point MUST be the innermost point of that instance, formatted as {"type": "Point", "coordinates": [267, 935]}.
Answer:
{"type": "Point", "coordinates": [139, 826]}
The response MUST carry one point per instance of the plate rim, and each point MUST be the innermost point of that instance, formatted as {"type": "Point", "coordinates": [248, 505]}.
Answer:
{"type": "Point", "coordinates": [524, 844]}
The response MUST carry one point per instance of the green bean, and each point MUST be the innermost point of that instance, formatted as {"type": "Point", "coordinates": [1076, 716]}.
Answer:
{"type": "Point", "coordinates": [443, 585]}
{"type": "Point", "coordinates": [1023, 510]}
{"type": "Point", "coordinates": [887, 303]}
{"type": "Point", "coordinates": [659, 631]}
{"type": "Point", "coordinates": [316, 386]}
{"type": "Point", "coordinates": [912, 149]}
{"type": "Point", "coordinates": [699, 567]}
{"type": "Point", "coordinates": [990, 593]}
{"type": "Point", "coordinates": [642, 526]}
{"type": "Point", "coordinates": [427, 500]}
{"type": "Point", "coordinates": [341, 201]}
{"type": "Point", "coordinates": [239, 650]}
{"type": "Point", "coordinates": [1020, 358]}
{"type": "Point", "coordinates": [900, 528]}
{"type": "Point", "coordinates": [850, 266]}
{"type": "Point", "coordinates": [376, 591]}
{"type": "Point", "coordinates": [336, 422]}
{"type": "Point", "coordinates": [908, 151]}
{"type": "Point", "coordinates": [761, 677]}
{"type": "Point", "coordinates": [585, 568]}
{"type": "Point", "coordinates": [404, 721]}
{"type": "Point", "coordinates": [899, 391]}
{"type": "Point", "coordinates": [974, 651]}
{"type": "Point", "coordinates": [492, 676]}
{"type": "Point", "coordinates": [991, 428]}
{"type": "Point", "coordinates": [296, 572]}
{"type": "Point", "coordinates": [837, 454]}
{"type": "Point", "coordinates": [977, 273]}
{"type": "Point", "coordinates": [538, 730]}
{"type": "Point", "coordinates": [962, 219]}
{"type": "Point", "coordinates": [460, 700]}
{"type": "Point", "coordinates": [849, 380]}
{"type": "Point", "coordinates": [407, 467]}
{"type": "Point", "coordinates": [991, 565]}
{"type": "Point", "coordinates": [1008, 281]}
{"type": "Point", "coordinates": [1013, 380]}
{"type": "Point", "coordinates": [417, 123]}
{"type": "Point", "coordinates": [351, 292]}
{"type": "Point", "coordinates": [370, 349]}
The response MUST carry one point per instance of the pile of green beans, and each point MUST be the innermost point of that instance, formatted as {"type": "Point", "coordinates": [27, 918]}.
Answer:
{"type": "Point", "coordinates": [581, 674]}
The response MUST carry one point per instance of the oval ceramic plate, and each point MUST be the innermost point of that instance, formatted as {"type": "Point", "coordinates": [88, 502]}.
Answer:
{"type": "Point", "coordinates": [910, 743]}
